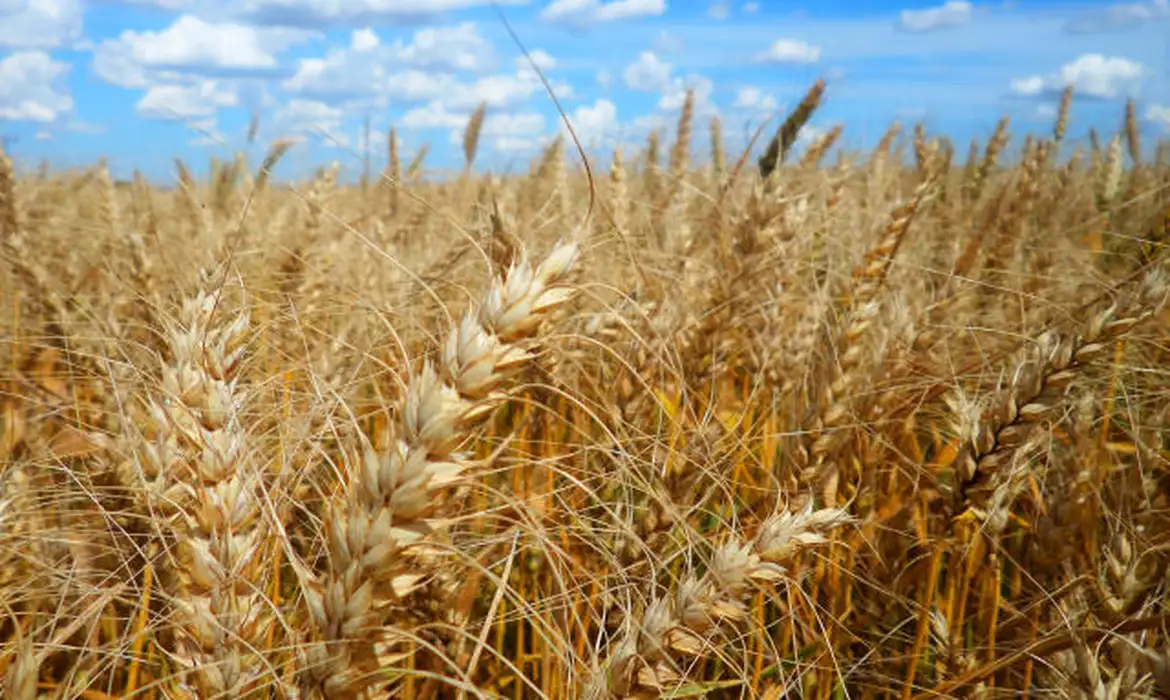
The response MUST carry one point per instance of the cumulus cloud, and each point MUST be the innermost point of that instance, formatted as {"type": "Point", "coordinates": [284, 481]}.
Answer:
{"type": "Point", "coordinates": [40, 24]}
{"type": "Point", "coordinates": [512, 124]}
{"type": "Point", "coordinates": [364, 40]}
{"type": "Point", "coordinates": [507, 132]}
{"type": "Point", "coordinates": [452, 106]}
{"type": "Point", "coordinates": [341, 75]}
{"type": "Point", "coordinates": [1119, 16]}
{"type": "Point", "coordinates": [648, 73]}
{"type": "Point", "coordinates": [809, 134]}
{"type": "Point", "coordinates": [202, 99]}
{"type": "Point", "coordinates": [316, 13]}
{"type": "Point", "coordinates": [541, 58]}
{"type": "Point", "coordinates": [458, 47]}
{"type": "Point", "coordinates": [170, 5]}
{"type": "Point", "coordinates": [208, 132]}
{"type": "Point", "coordinates": [416, 86]}
{"type": "Point", "coordinates": [311, 118]}
{"type": "Point", "coordinates": [753, 99]}
{"type": "Point", "coordinates": [954, 13]}
{"type": "Point", "coordinates": [433, 115]}
{"type": "Point", "coordinates": [420, 71]}
{"type": "Point", "coordinates": [337, 76]}
{"type": "Point", "coordinates": [1160, 115]}
{"type": "Point", "coordinates": [790, 51]}
{"type": "Point", "coordinates": [587, 12]}
{"type": "Point", "coordinates": [676, 93]}
{"type": "Point", "coordinates": [636, 129]}
{"type": "Point", "coordinates": [604, 78]}
{"type": "Point", "coordinates": [595, 123]}
{"type": "Point", "coordinates": [30, 89]}
{"type": "Point", "coordinates": [515, 145]}
{"type": "Point", "coordinates": [1032, 86]}
{"type": "Point", "coordinates": [501, 90]}
{"type": "Point", "coordinates": [413, 71]}
{"type": "Point", "coordinates": [1092, 75]}
{"type": "Point", "coordinates": [545, 62]}
{"type": "Point", "coordinates": [192, 46]}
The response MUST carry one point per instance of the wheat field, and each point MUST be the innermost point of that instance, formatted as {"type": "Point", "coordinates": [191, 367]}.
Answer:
{"type": "Point", "coordinates": [793, 422]}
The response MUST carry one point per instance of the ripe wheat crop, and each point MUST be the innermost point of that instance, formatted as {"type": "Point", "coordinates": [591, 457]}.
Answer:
{"type": "Point", "coordinates": [805, 423]}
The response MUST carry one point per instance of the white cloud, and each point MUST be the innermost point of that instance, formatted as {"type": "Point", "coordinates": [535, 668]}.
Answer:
{"type": "Point", "coordinates": [202, 99]}
{"type": "Point", "coordinates": [407, 72]}
{"type": "Point", "coordinates": [639, 127]}
{"type": "Point", "coordinates": [171, 5]}
{"type": "Point", "coordinates": [357, 80]}
{"type": "Point", "coordinates": [647, 73]}
{"type": "Point", "coordinates": [40, 24]}
{"type": "Point", "coordinates": [748, 97]}
{"type": "Point", "coordinates": [545, 62]}
{"type": "Point", "coordinates": [515, 124]}
{"type": "Point", "coordinates": [458, 47]}
{"type": "Point", "coordinates": [541, 58]}
{"type": "Point", "coordinates": [1160, 115]}
{"type": "Point", "coordinates": [433, 115]}
{"type": "Point", "coordinates": [507, 131]}
{"type": "Point", "coordinates": [514, 145]}
{"type": "Point", "coordinates": [604, 78]}
{"type": "Point", "coordinates": [790, 51]}
{"type": "Point", "coordinates": [586, 12]}
{"type": "Point", "coordinates": [676, 93]}
{"type": "Point", "coordinates": [720, 9]}
{"type": "Point", "coordinates": [1120, 15]}
{"type": "Point", "coordinates": [364, 40]}
{"type": "Point", "coordinates": [496, 91]}
{"type": "Point", "coordinates": [503, 132]}
{"type": "Point", "coordinates": [594, 123]}
{"type": "Point", "coordinates": [751, 8]}
{"type": "Point", "coordinates": [315, 13]}
{"type": "Point", "coordinates": [311, 118]}
{"type": "Point", "coordinates": [417, 86]}
{"type": "Point", "coordinates": [195, 47]}
{"type": "Point", "coordinates": [44, 136]}
{"type": "Point", "coordinates": [1031, 86]}
{"type": "Point", "coordinates": [753, 98]}
{"type": "Point", "coordinates": [953, 13]}
{"type": "Point", "coordinates": [340, 74]}
{"type": "Point", "coordinates": [29, 89]}
{"type": "Point", "coordinates": [208, 132]}
{"type": "Point", "coordinates": [1091, 74]}
{"type": "Point", "coordinates": [809, 134]}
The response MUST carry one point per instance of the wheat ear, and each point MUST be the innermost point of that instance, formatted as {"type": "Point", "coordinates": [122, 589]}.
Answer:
{"type": "Point", "coordinates": [382, 514]}
{"type": "Point", "coordinates": [643, 661]}
{"type": "Point", "coordinates": [990, 437]}
{"type": "Point", "coordinates": [199, 470]}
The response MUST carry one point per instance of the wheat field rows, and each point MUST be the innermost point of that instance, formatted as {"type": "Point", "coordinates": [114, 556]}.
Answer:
{"type": "Point", "coordinates": [802, 423]}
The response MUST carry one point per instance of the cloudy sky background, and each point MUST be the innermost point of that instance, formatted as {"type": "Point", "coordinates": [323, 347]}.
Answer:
{"type": "Point", "coordinates": [141, 82]}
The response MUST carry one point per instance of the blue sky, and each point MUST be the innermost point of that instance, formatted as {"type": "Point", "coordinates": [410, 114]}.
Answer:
{"type": "Point", "coordinates": [141, 82]}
